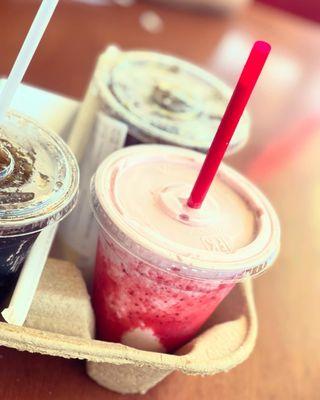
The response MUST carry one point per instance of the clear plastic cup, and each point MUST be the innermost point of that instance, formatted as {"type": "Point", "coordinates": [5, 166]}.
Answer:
{"type": "Point", "coordinates": [164, 99]}
{"type": "Point", "coordinates": [161, 267]}
{"type": "Point", "coordinates": [39, 180]}
{"type": "Point", "coordinates": [140, 97]}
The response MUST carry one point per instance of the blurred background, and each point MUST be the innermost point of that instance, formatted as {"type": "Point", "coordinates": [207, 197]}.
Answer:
{"type": "Point", "coordinates": [308, 8]}
{"type": "Point", "coordinates": [282, 157]}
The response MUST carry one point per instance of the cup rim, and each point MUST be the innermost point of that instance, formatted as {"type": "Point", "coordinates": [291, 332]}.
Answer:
{"type": "Point", "coordinates": [59, 210]}
{"type": "Point", "coordinates": [248, 261]}
{"type": "Point", "coordinates": [147, 132]}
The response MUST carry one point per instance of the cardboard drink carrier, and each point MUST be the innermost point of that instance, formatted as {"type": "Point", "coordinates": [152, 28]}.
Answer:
{"type": "Point", "coordinates": [60, 321]}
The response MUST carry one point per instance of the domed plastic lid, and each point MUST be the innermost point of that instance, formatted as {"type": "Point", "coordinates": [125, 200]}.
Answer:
{"type": "Point", "coordinates": [39, 177]}
{"type": "Point", "coordinates": [139, 197]}
{"type": "Point", "coordinates": [168, 100]}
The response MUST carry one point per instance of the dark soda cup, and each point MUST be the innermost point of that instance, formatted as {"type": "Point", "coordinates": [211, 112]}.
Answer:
{"type": "Point", "coordinates": [39, 181]}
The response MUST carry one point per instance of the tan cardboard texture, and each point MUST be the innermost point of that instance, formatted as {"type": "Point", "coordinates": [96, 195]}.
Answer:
{"type": "Point", "coordinates": [227, 339]}
{"type": "Point", "coordinates": [62, 303]}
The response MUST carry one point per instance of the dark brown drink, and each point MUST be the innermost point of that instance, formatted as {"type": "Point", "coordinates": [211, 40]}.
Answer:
{"type": "Point", "coordinates": [38, 187]}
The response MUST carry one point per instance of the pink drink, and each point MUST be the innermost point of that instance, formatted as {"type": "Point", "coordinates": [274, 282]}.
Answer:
{"type": "Point", "coordinates": [162, 268]}
{"type": "Point", "coordinates": [154, 302]}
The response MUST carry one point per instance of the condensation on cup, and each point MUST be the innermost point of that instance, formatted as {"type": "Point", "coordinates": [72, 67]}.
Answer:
{"type": "Point", "coordinates": [147, 97]}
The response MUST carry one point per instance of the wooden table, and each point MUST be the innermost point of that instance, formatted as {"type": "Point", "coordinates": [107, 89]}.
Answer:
{"type": "Point", "coordinates": [282, 157]}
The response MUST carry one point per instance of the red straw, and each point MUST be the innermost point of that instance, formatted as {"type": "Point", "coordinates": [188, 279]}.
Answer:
{"type": "Point", "coordinates": [229, 122]}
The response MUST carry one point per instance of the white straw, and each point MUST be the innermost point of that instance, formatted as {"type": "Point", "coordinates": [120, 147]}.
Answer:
{"type": "Point", "coordinates": [26, 53]}
{"type": "Point", "coordinates": [31, 272]}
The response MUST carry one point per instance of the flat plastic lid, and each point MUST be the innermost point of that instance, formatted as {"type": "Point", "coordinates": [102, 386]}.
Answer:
{"type": "Point", "coordinates": [168, 100]}
{"type": "Point", "coordinates": [39, 180]}
{"type": "Point", "coordinates": [140, 193]}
